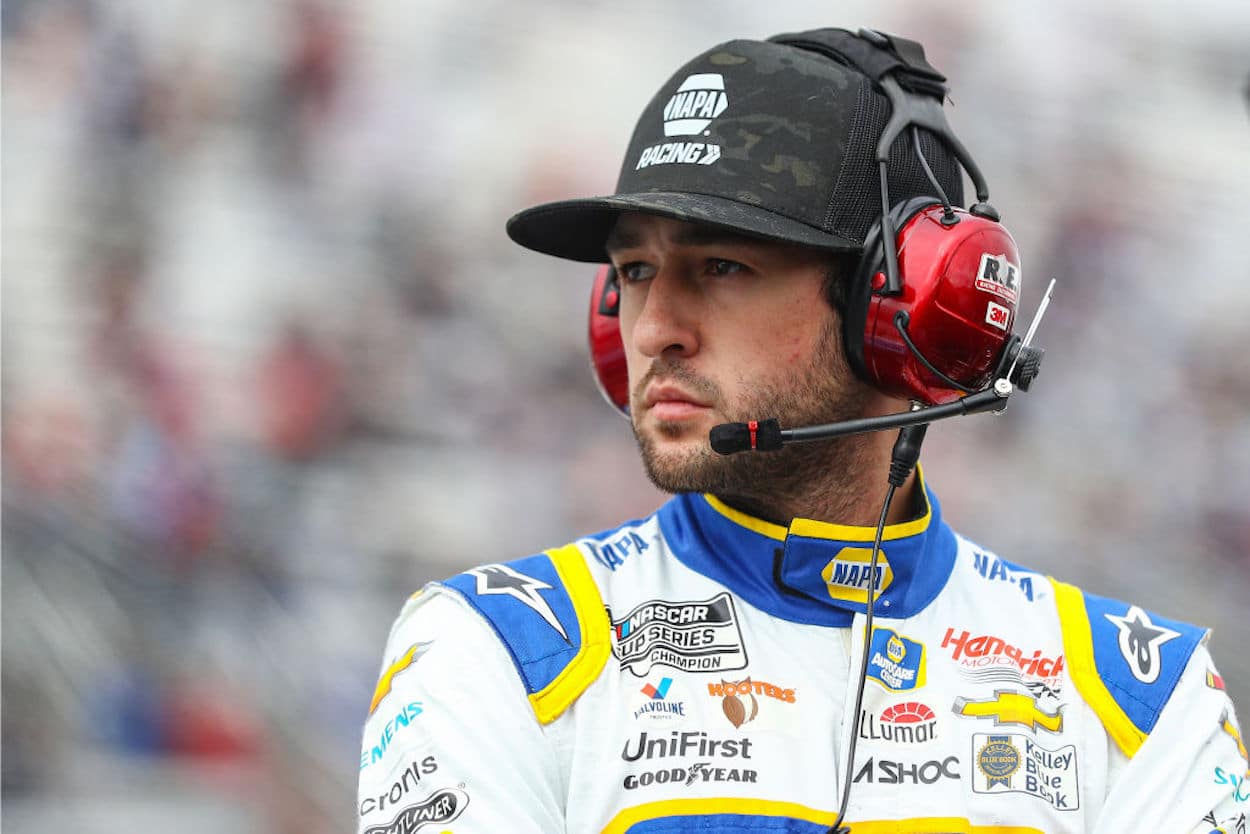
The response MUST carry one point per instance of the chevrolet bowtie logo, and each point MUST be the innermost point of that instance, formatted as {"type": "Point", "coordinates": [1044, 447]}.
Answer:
{"type": "Point", "coordinates": [1008, 707]}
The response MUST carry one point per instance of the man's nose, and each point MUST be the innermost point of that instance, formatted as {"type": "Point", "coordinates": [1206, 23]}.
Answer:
{"type": "Point", "coordinates": [667, 322]}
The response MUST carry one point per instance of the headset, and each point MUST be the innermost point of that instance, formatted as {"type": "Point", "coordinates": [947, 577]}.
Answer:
{"type": "Point", "coordinates": [931, 305]}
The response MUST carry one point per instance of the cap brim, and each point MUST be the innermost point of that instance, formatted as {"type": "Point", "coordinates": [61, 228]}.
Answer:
{"type": "Point", "coordinates": [578, 229]}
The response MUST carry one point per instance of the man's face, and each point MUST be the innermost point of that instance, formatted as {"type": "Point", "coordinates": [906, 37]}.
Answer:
{"type": "Point", "coordinates": [721, 328]}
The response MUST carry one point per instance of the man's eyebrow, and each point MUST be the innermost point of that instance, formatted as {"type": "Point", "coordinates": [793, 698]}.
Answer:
{"type": "Point", "coordinates": [691, 234]}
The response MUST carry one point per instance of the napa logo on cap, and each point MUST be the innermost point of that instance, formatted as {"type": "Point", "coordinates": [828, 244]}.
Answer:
{"type": "Point", "coordinates": [698, 100]}
{"type": "Point", "coordinates": [850, 574]}
{"type": "Point", "coordinates": [689, 112]}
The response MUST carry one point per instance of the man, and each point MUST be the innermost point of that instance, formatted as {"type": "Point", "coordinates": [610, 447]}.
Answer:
{"type": "Point", "coordinates": [713, 666]}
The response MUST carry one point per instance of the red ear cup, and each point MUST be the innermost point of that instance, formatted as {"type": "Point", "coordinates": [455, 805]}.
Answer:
{"type": "Point", "coordinates": [961, 287]}
{"type": "Point", "coordinates": [607, 351]}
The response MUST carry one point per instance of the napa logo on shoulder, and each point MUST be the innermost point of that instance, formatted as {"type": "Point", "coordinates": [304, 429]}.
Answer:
{"type": "Point", "coordinates": [850, 574]}
{"type": "Point", "coordinates": [896, 662]}
{"type": "Point", "coordinates": [689, 112]}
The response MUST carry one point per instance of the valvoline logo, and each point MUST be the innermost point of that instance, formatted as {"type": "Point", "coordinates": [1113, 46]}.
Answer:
{"type": "Point", "coordinates": [657, 692]}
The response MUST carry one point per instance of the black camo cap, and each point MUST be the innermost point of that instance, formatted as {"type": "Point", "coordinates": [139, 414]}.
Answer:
{"type": "Point", "coordinates": [766, 139]}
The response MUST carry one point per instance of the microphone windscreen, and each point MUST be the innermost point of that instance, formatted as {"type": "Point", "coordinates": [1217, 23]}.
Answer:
{"type": "Point", "coordinates": [728, 438]}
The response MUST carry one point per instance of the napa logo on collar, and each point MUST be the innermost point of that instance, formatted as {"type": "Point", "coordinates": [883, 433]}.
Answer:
{"type": "Point", "coordinates": [895, 662]}
{"type": "Point", "coordinates": [850, 574]}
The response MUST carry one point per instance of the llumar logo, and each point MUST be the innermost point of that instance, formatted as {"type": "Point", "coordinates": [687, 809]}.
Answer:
{"type": "Point", "coordinates": [850, 574]}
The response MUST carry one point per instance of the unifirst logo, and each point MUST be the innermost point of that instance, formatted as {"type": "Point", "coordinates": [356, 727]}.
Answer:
{"type": "Point", "coordinates": [698, 100]}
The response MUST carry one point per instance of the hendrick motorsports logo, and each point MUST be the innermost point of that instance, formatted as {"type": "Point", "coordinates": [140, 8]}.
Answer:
{"type": "Point", "coordinates": [439, 809]}
{"type": "Point", "coordinates": [1047, 774]}
{"type": "Point", "coordinates": [690, 636]}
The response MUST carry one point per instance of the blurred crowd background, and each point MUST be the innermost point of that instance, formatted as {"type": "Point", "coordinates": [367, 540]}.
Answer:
{"type": "Point", "coordinates": [270, 362]}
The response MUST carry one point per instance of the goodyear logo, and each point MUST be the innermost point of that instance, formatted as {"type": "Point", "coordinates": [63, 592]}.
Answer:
{"type": "Point", "coordinates": [850, 574]}
{"type": "Point", "coordinates": [1008, 707]}
{"type": "Point", "coordinates": [895, 662]}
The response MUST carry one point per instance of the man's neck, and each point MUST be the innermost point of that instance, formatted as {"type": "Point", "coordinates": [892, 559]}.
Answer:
{"type": "Point", "coordinates": [858, 505]}
{"type": "Point", "coordinates": [843, 481]}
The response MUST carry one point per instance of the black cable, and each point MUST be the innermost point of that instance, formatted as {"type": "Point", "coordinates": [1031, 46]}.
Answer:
{"type": "Point", "coordinates": [837, 827]}
{"type": "Point", "coordinates": [901, 320]}
{"type": "Point", "coordinates": [948, 214]}
{"type": "Point", "coordinates": [902, 462]}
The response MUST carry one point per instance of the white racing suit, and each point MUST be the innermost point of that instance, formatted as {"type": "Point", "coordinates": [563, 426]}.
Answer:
{"type": "Point", "coordinates": [695, 671]}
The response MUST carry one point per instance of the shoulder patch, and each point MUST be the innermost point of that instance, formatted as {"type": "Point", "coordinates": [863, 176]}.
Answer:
{"type": "Point", "coordinates": [550, 617]}
{"type": "Point", "coordinates": [1124, 661]}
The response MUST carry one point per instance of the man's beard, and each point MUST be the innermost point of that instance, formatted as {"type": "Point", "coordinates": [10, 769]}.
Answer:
{"type": "Point", "coordinates": [825, 391]}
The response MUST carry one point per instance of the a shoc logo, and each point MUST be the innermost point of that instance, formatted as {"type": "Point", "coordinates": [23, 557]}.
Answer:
{"type": "Point", "coordinates": [886, 772]}
{"type": "Point", "coordinates": [895, 662]}
{"type": "Point", "coordinates": [999, 276]}
{"type": "Point", "coordinates": [988, 650]}
{"type": "Point", "coordinates": [1011, 708]}
{"type": "Point", "coordinates": [1048, 774]}
{"type": "Point", "coordinates": [698, 636]}
{"type": "Point", "coordinates": [407, 781]}
{"type": "Point", "coordinates": [737, 710]}
{"type": "Point", "coordinates": [395, 724]}
{"type": "Point", "coordinates": [439, 808]}
{"type": "Point", "coordinates": [850, 574]}
{"type": "Point", "coordinates": [910, 722]}
{"type": "Point", "coordinates": [699, 99]}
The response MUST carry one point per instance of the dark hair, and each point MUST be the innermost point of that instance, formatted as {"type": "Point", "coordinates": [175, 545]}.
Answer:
{"type": "Point", "coordinates": [839, 270]}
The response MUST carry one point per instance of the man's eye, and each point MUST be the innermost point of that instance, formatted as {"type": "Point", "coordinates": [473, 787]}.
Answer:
{"type": "Point", "coordinates": [720, 266]}
{"type": "Point", "coordinates": [633, 272]}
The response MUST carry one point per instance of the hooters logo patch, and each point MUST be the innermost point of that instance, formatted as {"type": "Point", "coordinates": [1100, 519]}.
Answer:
{"type": "Point", "coordinates": [740, 699]}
